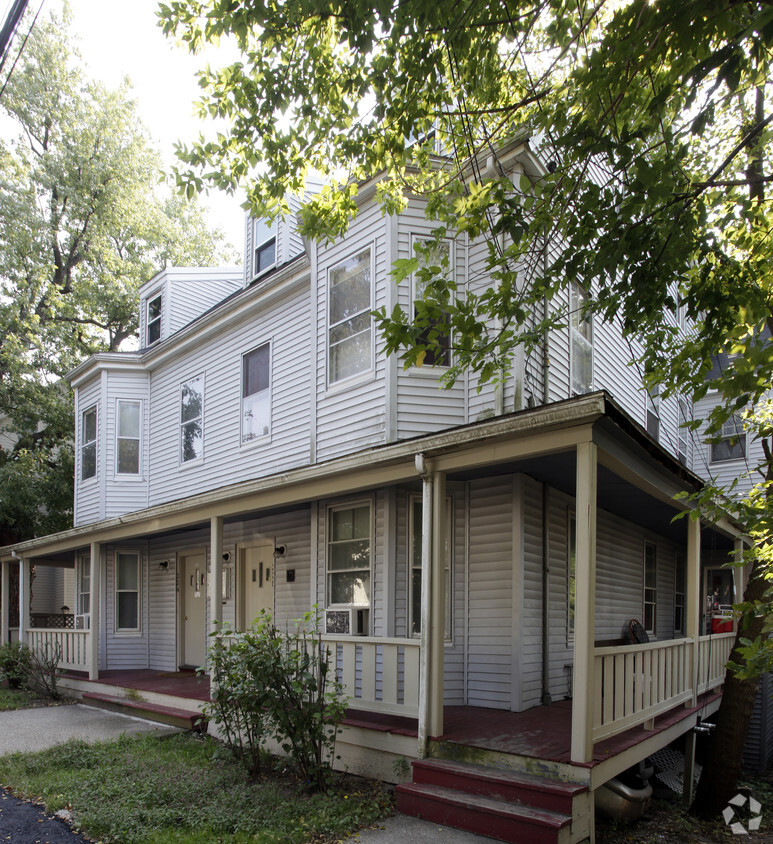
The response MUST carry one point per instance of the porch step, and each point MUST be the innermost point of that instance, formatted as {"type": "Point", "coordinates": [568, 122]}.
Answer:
{"type": "Point", "coordinates": [512, 807]}
{"type": "Point", "coordinates": [183, 718]}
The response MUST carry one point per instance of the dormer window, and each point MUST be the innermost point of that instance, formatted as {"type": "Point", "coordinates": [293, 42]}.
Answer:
{"type": "Point", "coordinates": [153, 324]}
{"type": "Point", "coordinates": [264, 242]}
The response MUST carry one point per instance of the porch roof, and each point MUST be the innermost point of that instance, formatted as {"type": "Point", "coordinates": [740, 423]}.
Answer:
{"type": "Point", "coordinates": [514, 442]}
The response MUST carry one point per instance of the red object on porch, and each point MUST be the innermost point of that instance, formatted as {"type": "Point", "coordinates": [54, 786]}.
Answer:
{"type": "Point", "coordinates": [721, 624]}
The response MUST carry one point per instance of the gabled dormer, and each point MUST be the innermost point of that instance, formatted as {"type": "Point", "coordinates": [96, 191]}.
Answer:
{"type": "Point", "coordinates": [177, 295]}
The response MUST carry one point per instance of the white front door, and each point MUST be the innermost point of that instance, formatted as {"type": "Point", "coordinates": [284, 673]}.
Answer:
{"type": "Point", "coordinates": [256, 582]}
{"type": "Point", "coordinates": [193, 594]}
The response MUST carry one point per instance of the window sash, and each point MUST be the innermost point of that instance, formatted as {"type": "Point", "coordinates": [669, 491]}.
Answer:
{"type": "Point", "coordinates": [650, 586]}
{"type": "Point", "coordinates": [128, 421]}
{"type": "Point", "coordinates": [350, 325]}
{"type": "Point", "coordinates": [414, 551]}
{"type": "Point", "coordinates": [440, 255]}
{"type": "Point", "coordinates": [153, 330]}
{"type": "Point", "coordinates": [127, 591]}
{"type": "Point", "coordinates": [732, 445]}
{"type": "Point", "coordinates": [256, 393]}
{"type": "Point", "coordinates": [89, 443]}
{"type": "Point", "coordinates": [192, 419]}
{"type": "Point", "coordinates": [580, 340]}
{"type": "Point", "coordinates": [349, 552]}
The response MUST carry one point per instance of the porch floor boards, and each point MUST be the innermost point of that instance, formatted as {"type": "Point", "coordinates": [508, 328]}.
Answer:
{"type": "Point", "coordinates": [543, 732]}
{"type": "Point", "coordinates": [185, 684]}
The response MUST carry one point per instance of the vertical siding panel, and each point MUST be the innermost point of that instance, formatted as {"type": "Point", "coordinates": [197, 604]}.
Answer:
{"type": "Point", "coordinates": [490, 593]}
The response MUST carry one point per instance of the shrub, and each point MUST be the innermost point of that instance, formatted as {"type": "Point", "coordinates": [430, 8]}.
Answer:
{"type": "Point", "coordinates": [278, 684]}
{"type": "Point", "coordinates": [43, 671]}
{"type": "Point", "coordinates": [15, 664]}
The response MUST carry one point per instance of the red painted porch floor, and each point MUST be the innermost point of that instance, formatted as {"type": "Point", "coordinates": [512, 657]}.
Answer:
{"type": "Point", "coordinates": [543, 732]}
{"type": "Point", "coordinates": [185, 684]}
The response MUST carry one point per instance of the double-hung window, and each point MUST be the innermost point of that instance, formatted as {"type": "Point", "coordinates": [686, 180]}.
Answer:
{"type": "Point", "coordinates": [650, 586]}
{"type": "Point", "coordinates": [83, 590]}
{"type": "Point", "coordinates": [580, 341]}
{"type": "Point", "coordinates": [128, 437]}
{"type": "Point", "coordinates": [349, 555]}
{"type": "Point", "coordinates": [415, 519]}
{"type": "Point", "coordinates": [732, 445]}
{"type": "Point", "coordinates": [264, 244]}
{"type": "Point", "coordinates": [256, 393]}
{"type": "Point", "coordinates": [680, 588]}
{"type": "Point", "coordinates": [89, 443]}
{"type": "Point", "coordinates": [434, 258]}
{"type": "Point", "coordinates": [192, 419]}
{"type": "Point", "coordinates": [350, 326]}
{"type": "Point", "coordinates": [683, 432]}
{"type": "Point", "coordinates": [127, 591]}
{"type": "Point", "coordinates": [153, 320]}
{"type": "Point", "coordinates": [652, 411]}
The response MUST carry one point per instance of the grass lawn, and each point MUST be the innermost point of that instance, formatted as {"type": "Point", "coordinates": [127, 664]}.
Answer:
{"type": "Point", "coordinates": [19, 699]}
{"type": "Point", "coordinates": [187, 791]}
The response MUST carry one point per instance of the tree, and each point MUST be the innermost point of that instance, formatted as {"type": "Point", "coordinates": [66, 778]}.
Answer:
{"type": "Point", "coordinates": [85, 219]}
{"type": "Point", "coordinates": [650, 121]}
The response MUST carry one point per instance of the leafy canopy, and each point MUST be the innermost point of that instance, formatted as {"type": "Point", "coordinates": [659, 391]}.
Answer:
{"type": "Point", "coordinates": [85, 219]}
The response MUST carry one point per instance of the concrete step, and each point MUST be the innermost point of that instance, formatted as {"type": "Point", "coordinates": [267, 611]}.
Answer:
{"type": "Point", "coordinates": [505, 821]}
{"type": "Point", "coordinates": [185, 719]}
{"type": "Point", "coordinates": [539, 792]}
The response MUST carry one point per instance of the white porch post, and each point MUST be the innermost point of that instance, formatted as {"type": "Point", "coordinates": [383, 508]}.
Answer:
{"type": "Point", "coordinates": [5, 605]}
{"type": "Point", "coordinates": [438, 606]}
{"type": "Point", "coordinates": [95, 611]}
{"type": "Point", "coordinates": [693, 600]}
{"type": "Point", "coordinates": [24, 598]}
{"type": "Point", "coordinates": [433, 604]}
{"type": "Point", "coordinates": [216, 576]}
{"type": "Point", "coordinates": [585, 604]}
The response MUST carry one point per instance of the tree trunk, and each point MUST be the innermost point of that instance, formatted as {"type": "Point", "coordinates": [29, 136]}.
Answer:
{"type": "Point", "coordinates": [722, 766]}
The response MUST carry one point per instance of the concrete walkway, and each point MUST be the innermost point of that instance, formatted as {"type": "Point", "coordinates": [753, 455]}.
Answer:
{"type": "Point", "coordinates": [28, 730]}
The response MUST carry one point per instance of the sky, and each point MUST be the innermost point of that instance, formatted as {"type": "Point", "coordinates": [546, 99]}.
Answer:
{"type": "Point", "coordinates": [119, 38]}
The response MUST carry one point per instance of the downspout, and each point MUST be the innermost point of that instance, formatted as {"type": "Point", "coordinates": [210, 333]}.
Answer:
{"type": "Point", "coordinates": [546, 699]}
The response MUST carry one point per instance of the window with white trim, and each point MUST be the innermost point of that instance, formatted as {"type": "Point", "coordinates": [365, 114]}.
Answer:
{"type": "Point", "coordinates": [83, 585]}
{"type": "Point", "coordinates": [650, 586]}
{"type": "Point", "coordinates": [350, 326]}
{"type": "Point", "coordinates": [680, 588]}
{"type": "Point", "coordinates": [89, 443]}
{"type": "Point", "coordinates": [437, 259]}
{"type": "Point", "coordinates": [349, 555]}
{"type": "Point", "coordinates": [153, 320]}
{"type": "Point", "coordinates": [580, 341]}
{"type": "Point", "coordinates": [192, 419]}
{"type": "Point", "coordinates": [256, 393]}
{"type": "Point", "coordinates": [652, 410]}
{"type": "Point", "coordinates": [128, 437]}
{"type": "Point", "coordinates": [683, 432]}
{"type": "Point", "coordinates": [414, 554]}
{"type": "Point", "coordinates": [732, 445]}
{"type": "Point", "coordinates": [264, 246]}
{"type": "Point", "coordinates": [127, 591]}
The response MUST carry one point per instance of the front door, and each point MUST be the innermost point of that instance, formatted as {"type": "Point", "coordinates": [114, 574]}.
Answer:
{"type": "Point", "coordinates": [193, 592]}
{"type": "Point", "coordinates": [256, 581]}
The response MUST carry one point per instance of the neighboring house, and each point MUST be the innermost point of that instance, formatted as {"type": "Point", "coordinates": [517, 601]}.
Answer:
{"type": "Point", "coordinates": [482, 550]}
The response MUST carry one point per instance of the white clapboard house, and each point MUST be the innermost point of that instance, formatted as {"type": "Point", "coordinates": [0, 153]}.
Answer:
{"type": "Point", "coordinates": [478, 555]}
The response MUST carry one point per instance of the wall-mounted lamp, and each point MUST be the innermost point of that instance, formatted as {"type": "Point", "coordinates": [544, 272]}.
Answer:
{"type": "Point", "coordinates": [164, 564]}
{"type": "Point", "coordinates": [227, 557]}
{"type": "Point", "coordinates": [280, 551]}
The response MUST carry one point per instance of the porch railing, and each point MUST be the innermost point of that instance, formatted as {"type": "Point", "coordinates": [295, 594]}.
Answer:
{"type": "Point", "coordinates": [72, 644]}
{"type": "Point", "coordinates": [635, 683]}
{"type": "Point", "coordinates": [380, 675]}
{"type": "Point", "coordinates": [714, 652]}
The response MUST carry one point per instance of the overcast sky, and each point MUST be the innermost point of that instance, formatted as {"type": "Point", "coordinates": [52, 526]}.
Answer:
{"type": "Point", "coordinates": [119, 38]}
